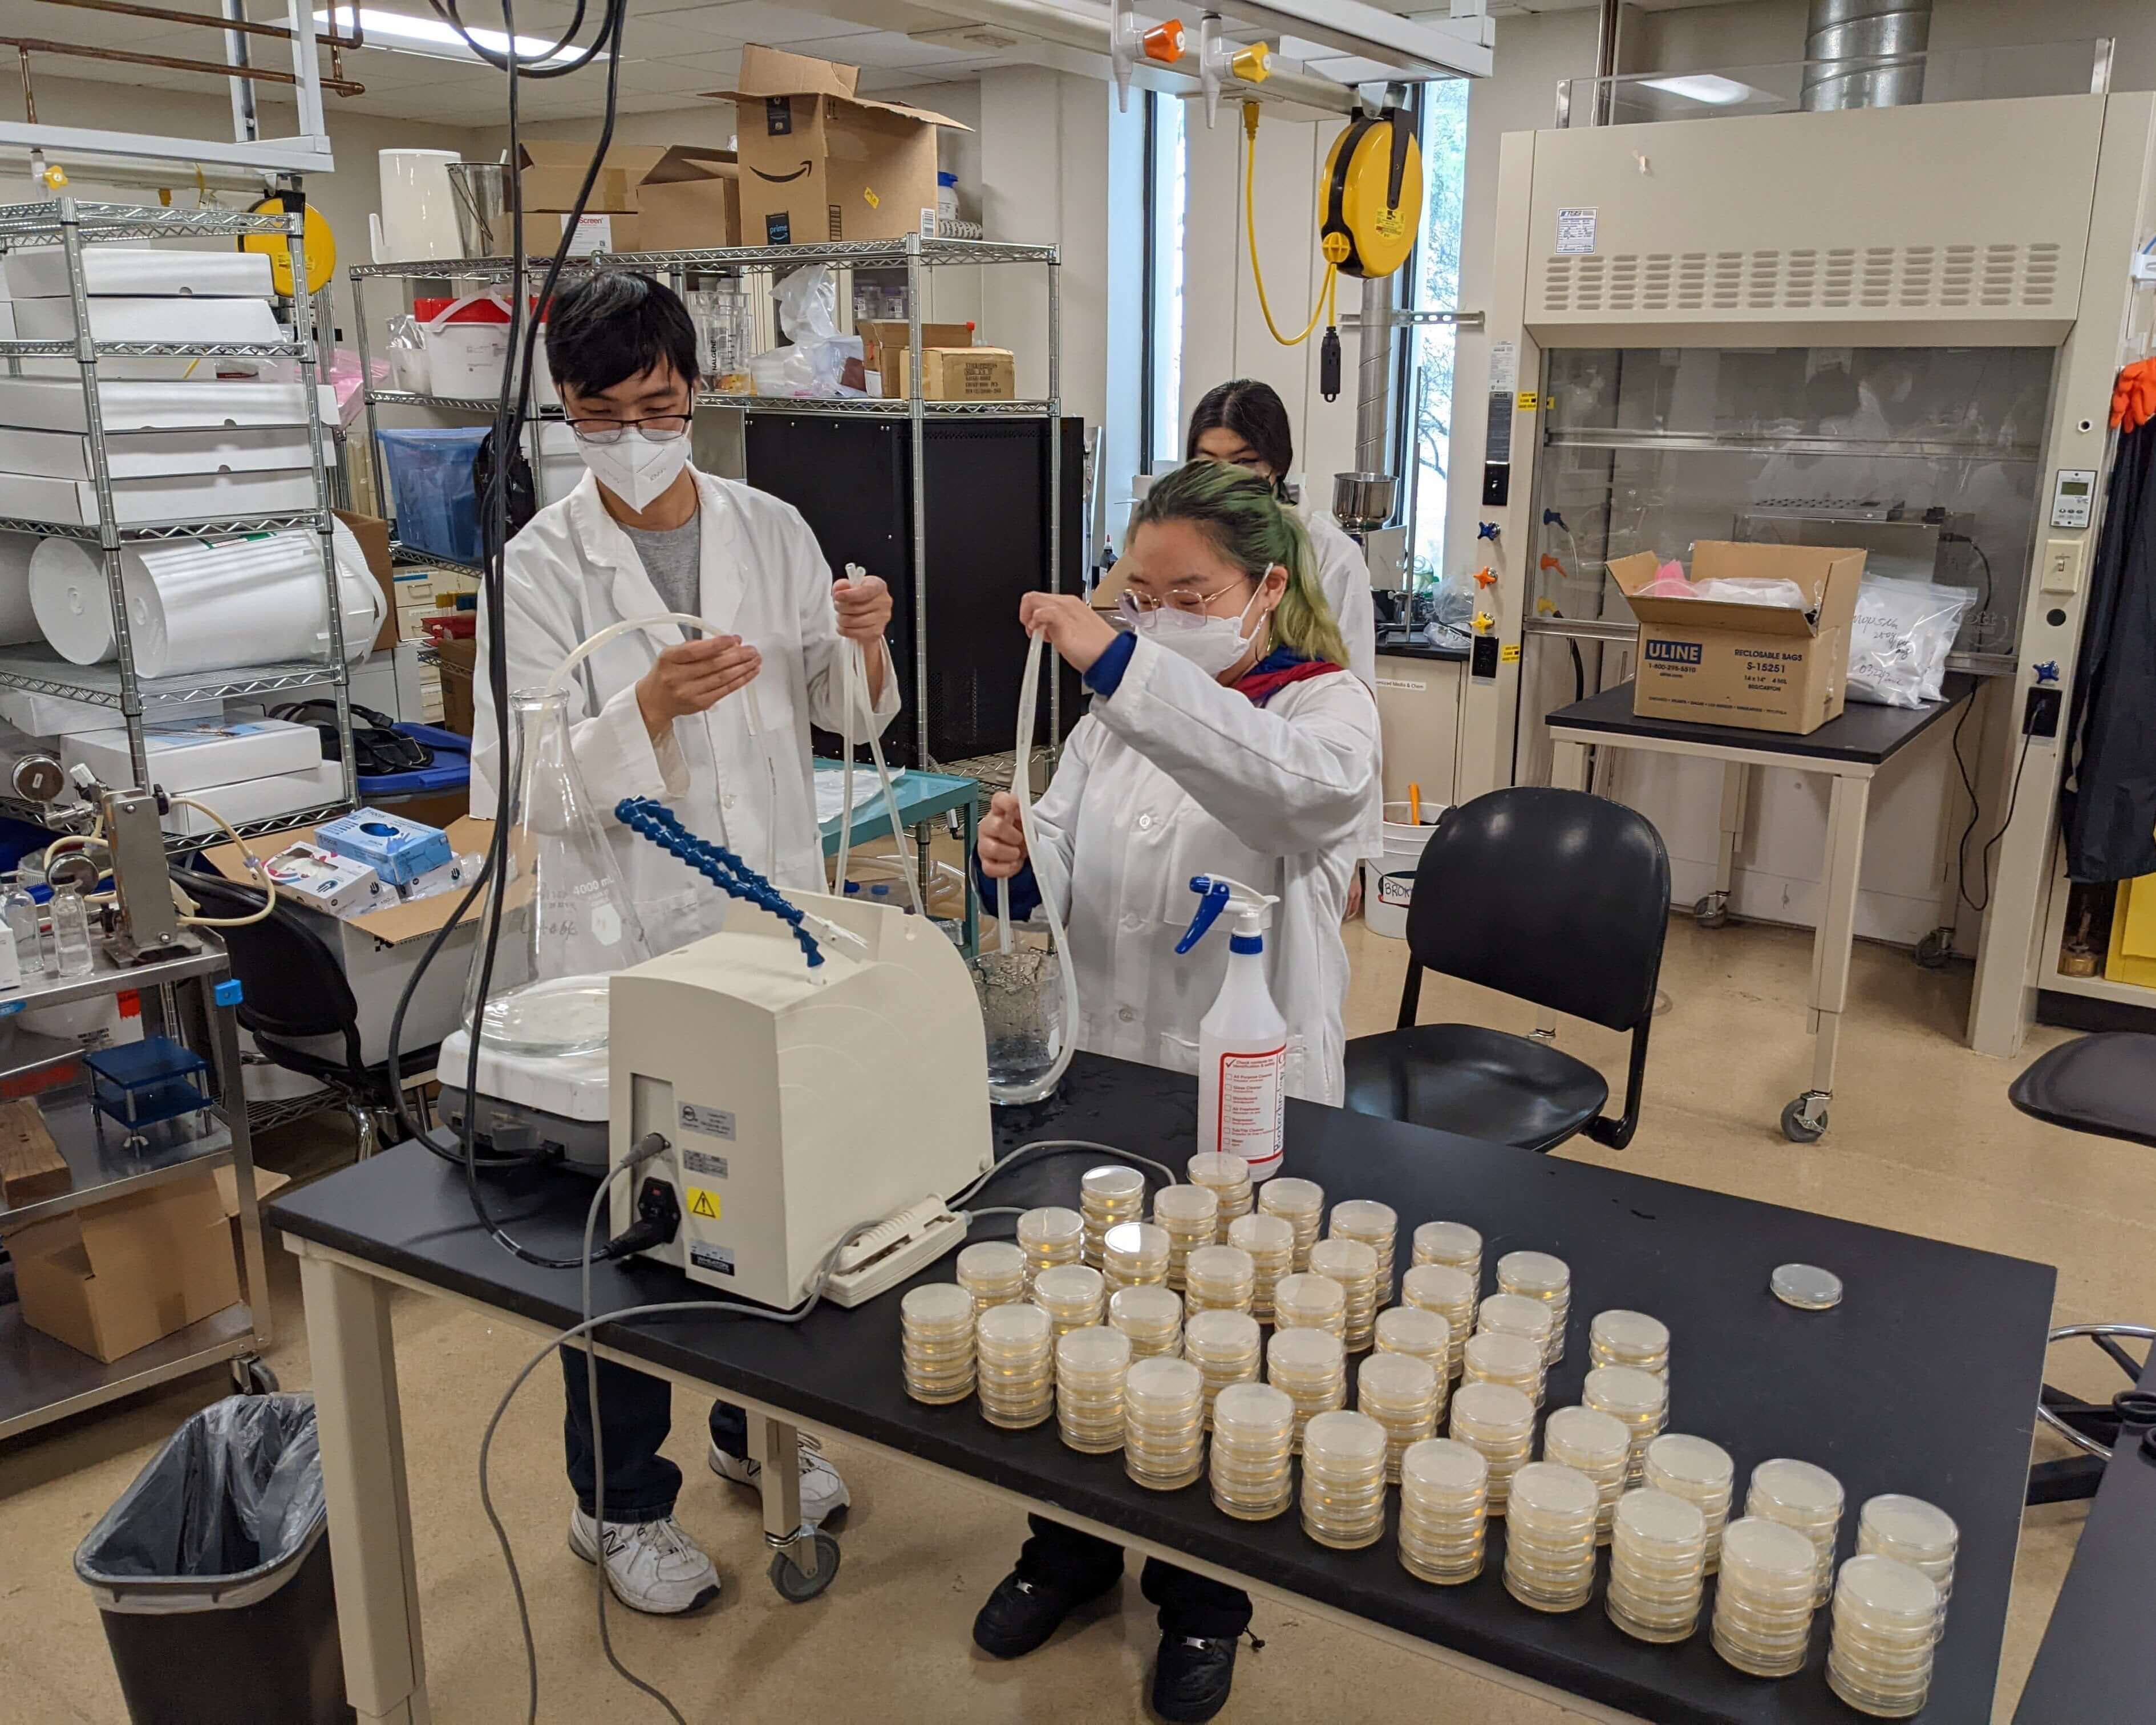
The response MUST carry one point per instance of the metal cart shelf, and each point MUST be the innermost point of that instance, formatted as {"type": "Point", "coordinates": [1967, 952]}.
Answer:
{"type": "Point", "coordinates": [42, 1379]}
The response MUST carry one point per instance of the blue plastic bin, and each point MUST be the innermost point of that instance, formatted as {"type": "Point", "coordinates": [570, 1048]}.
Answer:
{"type": "Point", "coordinates": [435, 502]}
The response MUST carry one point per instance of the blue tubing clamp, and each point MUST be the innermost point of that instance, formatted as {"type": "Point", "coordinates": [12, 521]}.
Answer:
{"type": "Point", "coordinates": [715, 863]}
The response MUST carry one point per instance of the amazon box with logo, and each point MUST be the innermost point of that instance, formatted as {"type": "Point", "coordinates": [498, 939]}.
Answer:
{"type": "Point", "coordinates": [1756, 667]}
{"type": "Point", "coordinates": [647, 197]}
{"type": "Point", "coordinates": [820, 162]}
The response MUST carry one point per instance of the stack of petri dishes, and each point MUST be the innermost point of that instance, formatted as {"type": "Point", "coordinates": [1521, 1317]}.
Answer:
{"type": "Point", "coordinates": [1307, 1301]}
{"type": "Point", "coordinates": [1449, 1291]}
{"type": "Point", "coordinates": [1227, 1346]}
{"type": "Point", "coordinates": [1269, 1241]}
{"type": "Point", "coordinates": [1048, 1236]}
{"type": "Point", "coordinates": [1500, 1422]}
{"type": "Point", "coordinates": [936, 1341]}
{"type": "Point", "coordinates": [1886, 1614]}
{"type": "Point", "coordinates": [1302, 1203]}
{"type": "Point", "coordinates": [1355, 1265]}
{"type": "Point", "coordinates": [1164, 1424]}
{"type": "Point", "coordinates": [1108, 1196]}
{"type": "Point", "coordinates": [1253, 1434]}
{"type": "Point", "coordinates": [1698, 1471]}
{"type": "Point", "coordinates": [1638, 1399]}
{"type": "Point", "coordinates": [1191, 1217]}
{"type": "Point", "coordinates": [1763, 1597]}
{"type": "Point", "coordinates": [1629, 1338]}
{"type": "Point", "coordinates": [1453, 1245]}
{"type": "Point", "coordinates": [1657, 1546]}
{"type": "Point", "coordinates": [1016, 1347]}
{"type": "Point", "coordinates": [1493, 1358]}
{"type": "Point", "coordinates": [1549, 1536]}
{"type": "Point", "coordinates": [1401, 1393]}
{"type": "Point", "coordinates": [1409, 1329]}
{"type": "Point", "coordinates": [1072, 1295]}
{"type": "Point", "coordinates": [1377, 1226]}
{"type": "Point", "coordinates": [1343, 1479]}
{"type": "Point", "coordinates": [1515, 1315]}
{"type": "Point", "coordinates": [1228, 1179]}
{"type": "Point", "coordinates": [1151, 1316]}
{"type": "Point", "coordinates": [1598, 1445]}
{"type": "Point", "coordinates": [1539, 1276]}
{"type": "Point", "coordinates": [1219, 1278]}
{"type": "Point", "coordinates": [994, 1272]}
{"type": "Point", "coordinates": [1311, 1366]}
{"type": "Point", "coordinates": [1808, 1498]}
{"type": "Point", "coordinates": [1135, 1255]}
{"type": "Point", "coordinates": [1911, 1532]}
{"type": "Point", "coordinates": [1090, 1366]}
{"type": "Point", "coordinates": [1444, 1487]}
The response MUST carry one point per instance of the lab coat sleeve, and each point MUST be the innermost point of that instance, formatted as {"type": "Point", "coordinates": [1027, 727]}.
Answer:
{"type": "Point", "coordinates": [614, 753]}
{"type": "Point", "coordinates": [1282, 785]}
{"type": "Point", "coordinates": [824, 652]}
{"type": "Point", "coordinates": [1055, 817]}
{"type": "Point", "coordinates": [1345, 575]}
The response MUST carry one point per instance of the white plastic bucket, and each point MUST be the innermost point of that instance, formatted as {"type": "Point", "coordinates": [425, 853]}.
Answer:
{"type": "Point", "coordinates": [1389, 884]}
{"type": "Point", "coordinates": [467, 343]}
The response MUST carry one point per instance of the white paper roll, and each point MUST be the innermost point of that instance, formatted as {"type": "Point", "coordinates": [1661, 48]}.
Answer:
{"type": "Point", "coordinates": [18, 622]}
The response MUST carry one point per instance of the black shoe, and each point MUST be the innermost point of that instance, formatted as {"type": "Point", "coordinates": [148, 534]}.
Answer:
{"type": "Point", "coordinates": [1020, 1615]}
{"type": "Point", "coordinates": [1192, 1678]}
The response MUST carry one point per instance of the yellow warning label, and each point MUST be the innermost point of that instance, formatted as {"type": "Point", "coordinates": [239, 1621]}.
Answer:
{"type": "Point", "coordinates": [703, 1203]}
{"type": "Point", "coordinates": [873, 201]}
{"type": "Point", "coordinates": [1527, 400]}
{"type": "Point", "coordinates": [1510, 653]}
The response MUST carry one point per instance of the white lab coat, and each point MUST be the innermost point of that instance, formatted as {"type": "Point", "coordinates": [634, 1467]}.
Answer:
{"type": "Point", "coordinates": [570, 573]}
{"type": "Point", "coordinates": [1345, 576]}
{"type": "Point", "coordinates": [1174, 775]}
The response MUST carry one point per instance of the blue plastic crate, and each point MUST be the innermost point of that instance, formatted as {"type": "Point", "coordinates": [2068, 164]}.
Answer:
{"type": "Point", "coordinates": [436, 503]}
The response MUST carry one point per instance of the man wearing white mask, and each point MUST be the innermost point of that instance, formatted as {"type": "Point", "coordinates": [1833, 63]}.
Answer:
{"type": "Point", "coordinates": [662, 713]}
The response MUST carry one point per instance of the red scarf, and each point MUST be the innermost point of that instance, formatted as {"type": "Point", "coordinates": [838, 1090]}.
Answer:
{"type": "Point", "coordinates": [1276, 671]}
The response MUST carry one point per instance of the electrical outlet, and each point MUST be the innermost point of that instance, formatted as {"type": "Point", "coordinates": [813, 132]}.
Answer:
{"type": "Point", "coordinates": [2062, 566]}
{"type": "Point", "coordinates": [2040, 716]}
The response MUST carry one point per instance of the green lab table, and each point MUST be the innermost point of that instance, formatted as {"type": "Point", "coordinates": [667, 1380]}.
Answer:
{"type": "Point", "coordinates": [922, 797]}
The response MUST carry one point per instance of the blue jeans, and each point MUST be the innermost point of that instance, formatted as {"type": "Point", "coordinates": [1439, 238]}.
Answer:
{"type": "Point", "coordinates": [636, 1411]}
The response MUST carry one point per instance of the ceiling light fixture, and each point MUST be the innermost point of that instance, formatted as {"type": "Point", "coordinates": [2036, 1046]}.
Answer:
{"type": "Point", "coordinates": [432, 36]}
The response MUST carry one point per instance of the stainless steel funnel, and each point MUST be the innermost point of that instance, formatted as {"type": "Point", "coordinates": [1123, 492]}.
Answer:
{"type": "Point", "coordinates": [482, 194]}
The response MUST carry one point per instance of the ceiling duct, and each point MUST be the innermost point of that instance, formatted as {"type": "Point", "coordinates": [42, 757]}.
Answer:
{"type": "Point", "coordinates": [1847, 40]}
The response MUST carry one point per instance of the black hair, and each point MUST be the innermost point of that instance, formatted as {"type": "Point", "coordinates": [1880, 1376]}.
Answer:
{"type": "Point", "coordinates": [1256, 414]}
{"type": "Point", "coordinates": [615, 325]}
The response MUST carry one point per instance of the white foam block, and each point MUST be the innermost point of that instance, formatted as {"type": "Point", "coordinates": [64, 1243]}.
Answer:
{"type": "Point", "coordinates": [134, 319]}
{"type": "Point", "coordinates": [140, 454]}
{"type": "Point", "coordinates": [165, 497]}
{"type": "Point", "coordinates": [56, 404]}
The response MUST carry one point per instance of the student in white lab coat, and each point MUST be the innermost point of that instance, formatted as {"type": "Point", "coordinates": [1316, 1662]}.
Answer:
{"type": "Point", "coordinates": [1224, 738]}
{"type": "Point", "coordinates": [644, 532]}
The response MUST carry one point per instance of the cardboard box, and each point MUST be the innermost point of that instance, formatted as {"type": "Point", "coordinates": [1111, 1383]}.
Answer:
{"type": "Point", "coordinates": [647, 197]}
{"type": "Point", "coordinates": [32, 1168]}
{"type": "Point", "coordinates": [961, 374]}
{"type": "Point", "coordinates": [820, 161]}
{"type": "Point", "coordinates": [268, 1183]}
{"type": "Point", "coordinates": [884, 346]}
{"type": "Point", "coordinates": [372, 533]}
{"type": "Point", "coordinates": [378, 950]}
{"type": "Point", "coordinates": [459, 656]}
{"type": "Point", "coordinates": [1753, 667]}
{"type": "Point", "coordinates": [112, 1277]}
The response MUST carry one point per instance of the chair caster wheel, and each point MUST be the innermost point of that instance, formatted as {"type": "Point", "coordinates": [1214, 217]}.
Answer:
{"type": "Point", "coordinates": [1711, 910]}
{"type": "Point", "coordinates": [250, 1377]}
{"type": "Point", "coordinates": [795, 1587]}
{"type": "Point", "coordinates": [1804, 1121]}
{"type": "Point", "coordinates": [1935, 948]}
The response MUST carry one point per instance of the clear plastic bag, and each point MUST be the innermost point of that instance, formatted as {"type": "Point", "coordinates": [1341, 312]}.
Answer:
{"type": "Point", "coordinates": [1900, 637]}
{"type": "Point", "coordinates": [816, 364]}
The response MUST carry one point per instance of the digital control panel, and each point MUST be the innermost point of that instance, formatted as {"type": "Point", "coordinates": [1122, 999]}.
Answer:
{"type": "Point", "coordinates": [2073, 494]}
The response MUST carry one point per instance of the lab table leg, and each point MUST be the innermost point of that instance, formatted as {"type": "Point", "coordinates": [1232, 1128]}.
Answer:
{"type": "Point", "coordinates": [369, 1501]}
{"type": "Point", "coordinates": [804, 1560]}
{"type": "Point", "coordinates": [1806, 1117]}
{"type": "Point", "coordinates": [1712, 911]}
{"type": "Point", "coordinates": [1567, 764]}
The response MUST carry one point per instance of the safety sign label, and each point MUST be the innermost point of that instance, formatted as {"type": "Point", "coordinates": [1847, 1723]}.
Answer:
{"type": "Point", "coordinates": [703, 1203]}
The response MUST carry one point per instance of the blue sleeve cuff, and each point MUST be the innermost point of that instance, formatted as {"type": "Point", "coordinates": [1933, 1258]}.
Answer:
{"type": "Point", "coordinates": [1107, 672]}
{"type": "Point", "coordinates": [1024, 890]}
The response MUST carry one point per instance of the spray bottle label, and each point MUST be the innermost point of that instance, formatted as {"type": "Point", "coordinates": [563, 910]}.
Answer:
{"type": "Point", "coordinates": [1253, 1103]}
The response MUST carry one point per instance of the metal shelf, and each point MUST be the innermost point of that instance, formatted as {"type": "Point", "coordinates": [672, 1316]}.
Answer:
{"type": "Point", "coordinates": [849, 407]}
{"type": "Point", "coordinates": [412, 557]}
{"type": "Point", "coordinates": [462, 403]}
{"type": "Point", "coordinates": [217, 527]}
{"type": "Point", "coordinates": [41, 671]}
{"type": "Point", "coordinates": [268, 1116]}
{"type": "Point", "coordinates": [863, 252]}
{"type": "Point", "coordinates": [103, 1168]}
{"type": "Point", "coordinates": [64, 348]}
{"type": "Point", "coordinates": [42, 1379]}
{"type": "Point", "coordinates": [177, 844]}
{"type": "Point", "coordinates": [40, 223]}
{"type": "Point", "coordinates": [461, 269]}
{"type": "Point", "coordinates": [1766, 443]}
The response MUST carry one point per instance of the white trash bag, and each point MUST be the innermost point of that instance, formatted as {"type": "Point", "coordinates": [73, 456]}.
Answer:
{"type": "Point", "coordinates": [816, 364]}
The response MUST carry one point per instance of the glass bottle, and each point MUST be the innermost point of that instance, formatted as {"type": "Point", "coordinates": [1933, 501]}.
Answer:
{"type": "Point", "coordinates": [24, 922]}
{"type": "Point", "coordinates": [567, 921]}
{"type": "Point", "coordinates": [70, 932]}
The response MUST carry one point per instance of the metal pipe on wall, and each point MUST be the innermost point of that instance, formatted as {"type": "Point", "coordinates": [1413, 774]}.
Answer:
{"type": "Point", "coordinates": [1865, 31]}
{"type": "Point", "coordinates": [1373, 377]}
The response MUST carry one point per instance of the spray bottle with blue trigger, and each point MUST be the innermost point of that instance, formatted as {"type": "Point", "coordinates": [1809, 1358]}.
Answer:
{"type": "Point", "coordinates": [1242, 1039]}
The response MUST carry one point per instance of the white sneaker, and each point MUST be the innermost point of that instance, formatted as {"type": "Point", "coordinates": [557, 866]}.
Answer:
{"type": "Point", "coordinates": [823, 1494]}
{"type": "Point", "coordinates": [651, 1566]}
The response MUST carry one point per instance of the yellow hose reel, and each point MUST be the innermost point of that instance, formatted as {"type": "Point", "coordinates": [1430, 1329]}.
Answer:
{"type": "Point", "coordinates": [1373, 196]}
{"type": "Point", "coordinates": [317, 247]}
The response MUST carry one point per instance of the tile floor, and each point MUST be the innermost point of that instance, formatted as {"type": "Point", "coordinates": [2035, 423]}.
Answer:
{"type": "Point", "coordinates": [1923, 1140]}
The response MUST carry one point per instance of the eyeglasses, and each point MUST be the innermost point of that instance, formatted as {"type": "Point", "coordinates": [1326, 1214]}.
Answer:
{"type": "Point", "coordinates": [657, 427]}
{"type": "Point", "coordinates": [1177, 600]}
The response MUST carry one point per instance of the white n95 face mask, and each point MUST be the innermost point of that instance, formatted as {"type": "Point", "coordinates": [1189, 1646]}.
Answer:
{"type": "Point", "coordinates": [636, 469]}
{"type": "Point", "coordinates": [1212, 644]}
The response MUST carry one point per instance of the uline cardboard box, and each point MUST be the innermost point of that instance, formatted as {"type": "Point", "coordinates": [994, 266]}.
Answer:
{"type": "Point", "coordinates": [647, 197]}
{"type": "Point", "coordinates": [820, 161]}
{"type": "Point", "coordinates": [884, 347]}
{"type": "Point", "coordinates": [1752, 667]}
{"type": "Point", "coordinates": [960, 374]}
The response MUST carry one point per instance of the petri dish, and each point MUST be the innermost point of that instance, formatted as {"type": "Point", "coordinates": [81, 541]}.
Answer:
{"type": "Point", "coordinates": [1806, 1286]}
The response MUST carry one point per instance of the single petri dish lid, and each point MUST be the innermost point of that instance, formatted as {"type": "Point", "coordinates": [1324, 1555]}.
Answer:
{"type": "Point", "coordinates": [1014, 1326]}
{"type": "Point", "coordinates": [1908, 1527]}
{"type": "Point", "coordinates": [1364, 1218]}
{"type": "Point", "coordinates": [1491, 1406]}
{"type": "Point", "coordinates": [1438, 1285]}
{"type": "Point", "coordinates": [1659, 1518]}
{"type": "Point", "coordinates": [992, 1260]}
{"type": "Point", "coordinates": [1494, 1354]}
{"type": "Point", "coordinates": [1342, 1436]}
{"type": "Point", "coordinates": [1625, 1389]}
{"type": "Point", "coordinates": [1261, 1231]}
{"type": "Point", "coordinates": [1290, 1197]}
{"type": "Point", "coordinates": [1772, 1549]}
{"type": "Point", "coordinates": [1344, 1260]}
{"type": "Point", "coordinates": [1192, 1206]}
{"type": "Point", "coordinates": [1533, 1273]}
{"type": "Point", "coordinates": [1515, 1315]}
{"type": "Point", "coordinates": [1692, 1460]}
{"type": "Point", "coordinates": [1094, 1348]}
{"type": "Point", "coordinates": [1631, 1333]}
{"type": "Point", "coordinates": [1443, 1464]}
{"type": "Point", "coordinates": [937, 1304]}
{"type": "Point", "coordinates": [1799, 1486]}
{"type": "Point", "coordinates": [1587, 1433]}
{"type": "Point", "coordinates": [1410, 1329]}
{"type": "Point", "coordinates": [1161, 1379]}
{"type": "Point", "coordinates": [1112, 1180]}
{"type": "Point", "coordinates": [1148, 1306]}
{"type": "Point", "coordinates": [1220, 1264]}
{"type": "Point", "coordinates": [1885, 1590]}
{"type": "Point", "coordinates": [1069, 1285]}
{"type": "Point", "coordinates": [1217, 1168]}
{"type": "Point", "coordinates": [1051, 1224]}
{"type": "Point", "coordinates": [1259, 1406]}
{"type": "Point", "coordinates": [1552, 1489]}
{"type": "Point", "coordinates": [1307, 1351]}
{"type": "Point", "coordinates": [1397, 1378]}
{"type": "Point", "coordinates": [1448, 1241]}
{"type": "Point", "coordinates": [1806, 1286]}
{"type": "Point", "coordinates": [1219, 1330]}
{"type": "Point", "coordinates": [1310, 1292]}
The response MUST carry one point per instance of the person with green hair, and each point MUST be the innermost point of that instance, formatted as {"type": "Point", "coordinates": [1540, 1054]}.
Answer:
{"type": "Point", "coordinates": [1226, 737]}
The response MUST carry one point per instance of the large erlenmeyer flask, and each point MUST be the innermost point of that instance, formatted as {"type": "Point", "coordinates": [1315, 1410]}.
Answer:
{"type": "Point", "coordinates": [567, 922]}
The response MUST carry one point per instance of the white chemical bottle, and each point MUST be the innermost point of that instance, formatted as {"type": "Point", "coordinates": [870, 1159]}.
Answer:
{"type": "Point", "coordinates": [1242, 1039]}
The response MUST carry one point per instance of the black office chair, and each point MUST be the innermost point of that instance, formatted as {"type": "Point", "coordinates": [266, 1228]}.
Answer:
{"type": "Point", "coordinates": [295, 987]}
{"type": "Point", "coordinates": [1554, 896]}
{"type": "Point", "coordinates": [2106, 1084]}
